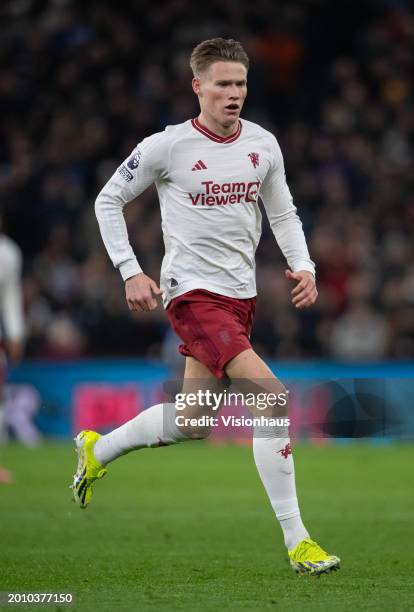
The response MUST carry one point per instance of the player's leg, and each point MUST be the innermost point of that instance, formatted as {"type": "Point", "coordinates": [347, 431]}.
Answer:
{"type": "Point", "coordinates": [156, 426]}
{"type": "Point", "coordinates": [274, 461]}
{"type": "Point", "coordinates": [271, 445]}
{"type": "Point", "coordinates": [198, 380]}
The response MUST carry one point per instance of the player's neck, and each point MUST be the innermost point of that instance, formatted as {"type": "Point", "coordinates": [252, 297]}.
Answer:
{"type": "Point", "coordinates": [217, 128]}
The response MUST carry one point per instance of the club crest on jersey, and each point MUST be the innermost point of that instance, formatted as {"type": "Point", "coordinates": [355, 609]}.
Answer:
{"type": "Point", "coordinates": [133, 161]}
{"type": "Point", "coordinates": [254, 158]}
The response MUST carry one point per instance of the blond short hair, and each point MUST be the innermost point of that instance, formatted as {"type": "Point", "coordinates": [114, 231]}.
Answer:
{"type": "Point", "coordinates": [217, 50]}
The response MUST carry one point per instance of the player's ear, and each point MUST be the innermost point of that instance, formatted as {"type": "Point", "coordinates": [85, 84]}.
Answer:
{"type": "Point", "coordinates": [196, 85]}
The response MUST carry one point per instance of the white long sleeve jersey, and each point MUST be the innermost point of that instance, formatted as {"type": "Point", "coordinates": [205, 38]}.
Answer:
{"type": "Point", "coordinates": [11, 302]}
{"type": "Point", "coordinates": [208, 187]}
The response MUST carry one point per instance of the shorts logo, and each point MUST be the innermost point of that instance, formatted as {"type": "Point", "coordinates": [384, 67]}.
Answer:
{"type": "Point", "coordinates": [224, 336]}
{"type": "Point", "coordinates": [173, 282]}
{"type": "Point", "coordinates": [254, 158]}
{"type": "Point", "coordinates": [133, 161]}
{"type": "Point", "coordinates": [125, 173]}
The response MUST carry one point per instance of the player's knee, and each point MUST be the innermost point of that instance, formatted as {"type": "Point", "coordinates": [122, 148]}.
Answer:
{"type": "Point", "coordinates": [282, 403]}
{"type": "Point", "coordinates": [272, 404]}
{"type": "Point", "coordinates": [195, 422]}
{"type": "Point", "coordinates": [194, 431]}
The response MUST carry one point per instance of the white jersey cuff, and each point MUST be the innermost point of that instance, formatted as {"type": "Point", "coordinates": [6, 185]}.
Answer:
{"type": "Point", "coordinates": [304, 265]}
{"type": "Point", "coordinates": [129, 268]}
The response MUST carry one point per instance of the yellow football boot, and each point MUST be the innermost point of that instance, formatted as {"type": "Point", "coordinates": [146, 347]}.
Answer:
{"type": "Point", "coordinates": [309, 558]}
{"type": "Point", "coordinates": [88, 470]}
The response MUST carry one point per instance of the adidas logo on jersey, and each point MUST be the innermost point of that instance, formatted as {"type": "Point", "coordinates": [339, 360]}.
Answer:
{"type": "Point", "coordinates": [200, 165]}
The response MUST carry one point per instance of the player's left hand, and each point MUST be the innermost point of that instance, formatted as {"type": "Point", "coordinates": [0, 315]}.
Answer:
{"type": "Point", "coordinates": [305, 293]}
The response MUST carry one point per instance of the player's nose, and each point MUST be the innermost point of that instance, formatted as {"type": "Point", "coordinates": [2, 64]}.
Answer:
{"type": "Point", "coordinates": [234, 93]}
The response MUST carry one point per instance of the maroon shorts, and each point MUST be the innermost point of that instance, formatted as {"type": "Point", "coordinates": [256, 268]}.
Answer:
{"type": "Point", "coordinates": [214, 328]}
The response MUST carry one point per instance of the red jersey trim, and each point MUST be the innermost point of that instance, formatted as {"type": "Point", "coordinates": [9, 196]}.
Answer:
{"type": "Point", "coordinates": [209, 134]}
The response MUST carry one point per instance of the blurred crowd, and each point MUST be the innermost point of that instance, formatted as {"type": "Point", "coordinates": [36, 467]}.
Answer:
{"type": "Point", "coordinates": [82, 82]}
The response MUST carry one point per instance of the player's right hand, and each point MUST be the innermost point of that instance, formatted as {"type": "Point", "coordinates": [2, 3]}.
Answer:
{"type": "Point", "coordinates": [141, 292]}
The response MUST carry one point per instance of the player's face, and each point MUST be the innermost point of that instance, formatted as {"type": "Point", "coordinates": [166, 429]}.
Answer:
{"type": "Point", "coordinates": [221, 91]}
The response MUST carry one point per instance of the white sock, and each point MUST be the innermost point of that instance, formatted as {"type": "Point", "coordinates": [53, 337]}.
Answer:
{"type": "Point", "coordinates": [154, 426]}
{"type": "Point", "coordinates": [274, 461]}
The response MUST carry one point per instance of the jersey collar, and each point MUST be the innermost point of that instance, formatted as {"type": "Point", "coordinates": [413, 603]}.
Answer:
{"type": "Point", "coordinates": [209, 134]}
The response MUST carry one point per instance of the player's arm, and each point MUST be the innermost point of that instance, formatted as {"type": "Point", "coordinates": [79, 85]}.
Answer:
{"type": "Point", "coordinates": [287, 229]}
{"type": "Point", "coordinates": [134, 175]}
{"type": "Point", "coordinates": [11, 307]}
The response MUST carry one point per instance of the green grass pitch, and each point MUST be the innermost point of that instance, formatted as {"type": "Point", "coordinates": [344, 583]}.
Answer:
{"type": "Point", "coordinates": [190, 528]}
